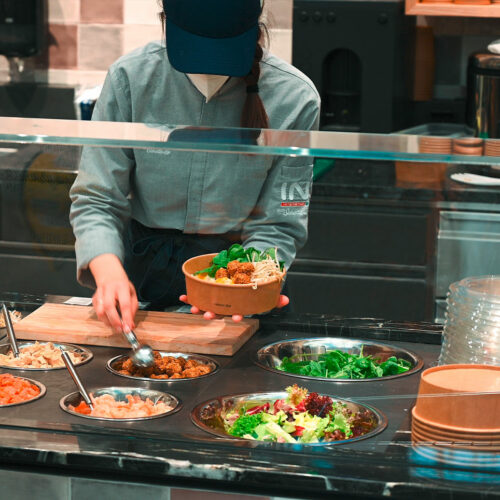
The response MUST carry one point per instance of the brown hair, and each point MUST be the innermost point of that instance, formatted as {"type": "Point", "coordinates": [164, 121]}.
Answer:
{"type": "Point", "coordinates": [254, 113]}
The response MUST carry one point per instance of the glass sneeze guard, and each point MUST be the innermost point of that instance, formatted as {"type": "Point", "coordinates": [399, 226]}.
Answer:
{"type": "Point", "coordinates": [228, 140]}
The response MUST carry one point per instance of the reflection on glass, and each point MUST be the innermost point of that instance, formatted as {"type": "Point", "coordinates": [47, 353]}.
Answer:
{"type": "Point", "coordinates": [232, 140]}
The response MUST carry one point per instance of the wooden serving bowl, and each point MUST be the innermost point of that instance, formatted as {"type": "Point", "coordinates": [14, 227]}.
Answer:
{"type": "Point", "coordinates": [460, 396]}
{"type": "Point", "coordinates": [227, 299]}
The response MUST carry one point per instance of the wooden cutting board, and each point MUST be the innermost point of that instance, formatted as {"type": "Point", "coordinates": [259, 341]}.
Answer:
{"type": "Point", "coordinates": [175, 332]}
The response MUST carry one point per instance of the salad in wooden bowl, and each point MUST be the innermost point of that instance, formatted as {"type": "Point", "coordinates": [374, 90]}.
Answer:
{"type": "Point", "coordinates": [235, 281]}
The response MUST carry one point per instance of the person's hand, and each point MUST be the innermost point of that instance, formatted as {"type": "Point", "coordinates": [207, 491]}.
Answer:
{"type": "Point", "coordinates": [114, 290]}
{"type": "Point", "coordinates": [282, 302]}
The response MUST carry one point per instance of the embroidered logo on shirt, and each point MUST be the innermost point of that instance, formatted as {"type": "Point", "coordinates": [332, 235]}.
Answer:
{"type": "Point", "coordinates": [294, 198]}
{"type": "Point", "coordinates": [158, 151]}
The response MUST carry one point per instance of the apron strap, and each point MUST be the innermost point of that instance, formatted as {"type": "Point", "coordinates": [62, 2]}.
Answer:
{"type": "Point", "coordinates": [154, 259]}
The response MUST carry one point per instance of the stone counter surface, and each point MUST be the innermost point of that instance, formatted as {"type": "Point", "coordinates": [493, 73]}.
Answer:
{"type": "Point", "coordinates": [40, 440]}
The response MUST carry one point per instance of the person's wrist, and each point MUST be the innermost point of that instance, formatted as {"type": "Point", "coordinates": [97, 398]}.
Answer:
{"type": "Point", "coordinates": [107, 267]}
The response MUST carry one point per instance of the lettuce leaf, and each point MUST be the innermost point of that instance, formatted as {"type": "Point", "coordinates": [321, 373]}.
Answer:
{"type": "Point", "coordinates": [274, 430]}
{"type": "Point", "coordinates": [245, 425]}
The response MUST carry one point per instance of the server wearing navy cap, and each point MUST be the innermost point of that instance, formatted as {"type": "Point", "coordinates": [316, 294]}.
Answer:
{"type": "Point", "coordinates": [212, 37]}
{"type": "Point", "coordinates": [139, 214]}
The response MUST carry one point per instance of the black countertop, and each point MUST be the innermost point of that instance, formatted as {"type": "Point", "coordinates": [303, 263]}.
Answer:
{"type": "Point", "coordinates": [173, 451]}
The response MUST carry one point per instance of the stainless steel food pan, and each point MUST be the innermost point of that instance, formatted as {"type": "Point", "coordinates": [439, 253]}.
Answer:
{"type": "Point", "coordinates": [270, 357]}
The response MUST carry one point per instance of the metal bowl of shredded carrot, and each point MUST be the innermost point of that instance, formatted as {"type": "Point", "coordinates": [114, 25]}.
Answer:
{"type": "Point", "coordinates": [121, 403]}
{"type": "Point", "coordinates": [19, 390]}
{"type": "Point", "coordinates": [38, 356]}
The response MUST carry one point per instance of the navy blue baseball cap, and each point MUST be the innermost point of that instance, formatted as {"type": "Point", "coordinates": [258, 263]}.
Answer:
{"type": "Point", "coordinates": [214, 37]}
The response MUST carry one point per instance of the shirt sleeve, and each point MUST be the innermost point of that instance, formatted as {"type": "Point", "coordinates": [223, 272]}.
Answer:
{"type": "Point", "coordinates": [281, 214]}
{"type": "Point", "coordinates": [100, 205]}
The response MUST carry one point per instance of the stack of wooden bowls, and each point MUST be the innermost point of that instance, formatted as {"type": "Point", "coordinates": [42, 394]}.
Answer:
{"type": "Point", "coordinates": [468, 146]}
{"type": "Point", "coordinates": [435, 145]}
{"type": "Point", "coordinates": [420, 175]}
{"type": "Point", "coordinates": [492, 147]}
{"type": "Point", "coordinates": [425, 175]}
{"type": "Point", "coordinates": [472, 2]}
{"type": "Point", "coordinates": [458, 406]}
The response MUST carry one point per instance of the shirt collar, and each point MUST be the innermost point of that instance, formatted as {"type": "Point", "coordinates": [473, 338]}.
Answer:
{"type": "Point", "coordinates": [208, 85]}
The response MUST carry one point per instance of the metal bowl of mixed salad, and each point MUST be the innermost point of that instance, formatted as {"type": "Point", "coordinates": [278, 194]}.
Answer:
{"type": "Point", "coordinates": [339, 359]}
{"type": "Point", "coordinates": [293, 416]}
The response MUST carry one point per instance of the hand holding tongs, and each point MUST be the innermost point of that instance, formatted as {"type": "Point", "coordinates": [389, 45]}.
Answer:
{"type": "Point", "coordinates": [10, 331]}
{"type": "Point", "coordinates": [76, 379]}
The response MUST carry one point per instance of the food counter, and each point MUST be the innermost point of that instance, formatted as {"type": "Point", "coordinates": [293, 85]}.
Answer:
{"type": "Point", "coordinates": [46, 452]}
{"type": "Point", "coordinates": [172, 452]}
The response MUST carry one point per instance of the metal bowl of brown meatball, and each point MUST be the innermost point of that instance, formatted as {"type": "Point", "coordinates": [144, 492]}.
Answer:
{"type": "Point", "coordinates": [168, 366]}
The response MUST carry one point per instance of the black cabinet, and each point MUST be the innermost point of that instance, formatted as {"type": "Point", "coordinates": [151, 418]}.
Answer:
{"type": "Point", "coordinates": [370, 252]}
{"type": "Point", "coordinates": [365, 295]}
{"type": "Point", "coordinates": [367, 234]}
{"type": "Point", "coordinates": [36, 240]}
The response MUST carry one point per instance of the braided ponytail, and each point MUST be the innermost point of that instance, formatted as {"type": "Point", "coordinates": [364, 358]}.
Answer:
{"type": "Point", "coordinates": [254, 113]}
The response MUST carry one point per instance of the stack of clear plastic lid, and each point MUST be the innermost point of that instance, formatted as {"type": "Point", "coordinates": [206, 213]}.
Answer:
{"type": "Point", "coordinates": [472, 327]}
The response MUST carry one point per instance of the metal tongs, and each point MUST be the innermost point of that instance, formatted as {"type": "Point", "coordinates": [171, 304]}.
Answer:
{"type": "Point", "coordinates": [76, 379]}
{"type": "Point", "coordinates": [10, 331]}
{"type": "Point", "coordinates": [142, 354]}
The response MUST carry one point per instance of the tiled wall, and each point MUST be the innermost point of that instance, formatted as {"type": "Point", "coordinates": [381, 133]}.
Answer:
{"type": "Point", "coordinates": [86, 36]}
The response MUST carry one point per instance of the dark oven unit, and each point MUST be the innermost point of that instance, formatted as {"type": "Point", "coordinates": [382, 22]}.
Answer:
{"type": "Point", "coordinates": [358, 54]}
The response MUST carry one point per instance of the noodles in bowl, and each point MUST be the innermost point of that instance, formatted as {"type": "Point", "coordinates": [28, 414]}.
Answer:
{"type": "Point", "coordinates": [267, 270]}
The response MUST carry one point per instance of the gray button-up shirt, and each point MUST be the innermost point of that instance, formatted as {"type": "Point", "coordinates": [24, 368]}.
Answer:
{"type": "Point", "coordinates": [263, 197]}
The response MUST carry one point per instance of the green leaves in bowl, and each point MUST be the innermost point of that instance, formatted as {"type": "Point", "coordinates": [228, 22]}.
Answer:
{"type": "Point", "coordinates": [343, 365]}
{"type": "Point", "coordinates": [237, 252]}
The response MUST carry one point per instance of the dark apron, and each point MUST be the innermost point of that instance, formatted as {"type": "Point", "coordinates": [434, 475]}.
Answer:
{"type": "Point", "coordinates": [154, 258]}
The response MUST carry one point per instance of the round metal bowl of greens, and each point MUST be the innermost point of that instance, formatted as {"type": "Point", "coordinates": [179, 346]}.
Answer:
{"type": "Point", "coordinates": [339, 359]}
{"type": "Point", "coordinates": [293, 416]}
